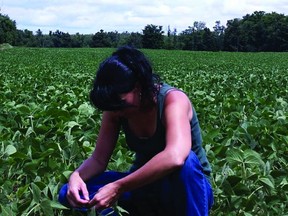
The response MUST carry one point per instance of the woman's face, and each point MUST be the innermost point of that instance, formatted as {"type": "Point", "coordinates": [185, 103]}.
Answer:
{"type": "Point", "coordinates": [133, 99]}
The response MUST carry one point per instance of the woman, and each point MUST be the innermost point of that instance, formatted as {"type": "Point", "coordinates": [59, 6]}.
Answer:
{"type": "Point", "coordinates": [170, 174]}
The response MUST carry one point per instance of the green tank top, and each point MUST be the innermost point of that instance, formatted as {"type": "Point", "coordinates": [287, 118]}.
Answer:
{"type": "Point", "coordinates": [146, 148]}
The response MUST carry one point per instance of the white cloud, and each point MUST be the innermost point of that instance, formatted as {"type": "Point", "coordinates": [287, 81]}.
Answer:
{"type": "Point", "coordinates": [89, 16]}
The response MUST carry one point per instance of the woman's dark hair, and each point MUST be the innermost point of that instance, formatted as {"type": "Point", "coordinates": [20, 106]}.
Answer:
{"type": "Point", "coordinates": [119, 74]}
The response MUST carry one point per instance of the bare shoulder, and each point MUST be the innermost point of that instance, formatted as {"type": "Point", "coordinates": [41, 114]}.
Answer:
{"type": "Point", "coordinates": [178, 102]}
{"type": "Point", "coordinates": [176, 97]}
{"type": "Point", "coordinates": [110, 117]}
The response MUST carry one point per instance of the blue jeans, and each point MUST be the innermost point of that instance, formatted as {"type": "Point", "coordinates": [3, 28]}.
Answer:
{"type": "Point", "coordinates": [185, 192]}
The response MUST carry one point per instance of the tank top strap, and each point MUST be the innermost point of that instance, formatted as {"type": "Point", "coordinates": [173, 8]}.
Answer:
{"type": "Point", "coordinates": [164, 90]}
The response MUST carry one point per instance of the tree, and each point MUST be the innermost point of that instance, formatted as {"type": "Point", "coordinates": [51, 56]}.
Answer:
{"type": "Point", "coordinates": [8, 30]}
{"type": "Point", "coordinates": [186, 39]}
{"type": "Point", "coordinates": [61, 39]}
{"type": "Point", "coordinates": [135, 40]}
{"type": "Point", "coordinates": [219, 35]}
{"type": "Point", "coordinates": [77, 40]}
{"type": "Point", "coordinates": [56, 38]}
{"type": "Point", "coordinates": [100, 39]}
{"type": "Point", "coordinates": [276, 31]}
{"type": "Point", "coordinates": [197, 37]}
{"type": "Point", "coordinates": [39, 38]}
{"type": "Point", "coordinates": [257, 32]}
{"type": "Point", "coordinates": [208, 40]}
{"type": "Point", "coordinates": [114, 38]}
{"type": "Point", "coordinates": [231, 37]}
{"type": "Point", "coordinates": [175, 39]}
{"type": "Point", "coordinates": [153, 37]}
{"type": "Point", "coordinates": [168, 40]}
{"type": "Point", "coordinates": [199, 26]}
{"type": "Point", "coordinates": [25, 38]}
{"type": "Point", "coordinates": [252, 32]}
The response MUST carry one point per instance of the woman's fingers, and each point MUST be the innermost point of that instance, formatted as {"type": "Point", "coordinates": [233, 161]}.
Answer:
{"type": "Point", "coordinates": [73, 196]}
{"type": "Point", "coordinates": [99, 204]}
{"type": "Point", "coordinates": [85, 192]}
{"type": "Point", "coordinates": [105, 197]}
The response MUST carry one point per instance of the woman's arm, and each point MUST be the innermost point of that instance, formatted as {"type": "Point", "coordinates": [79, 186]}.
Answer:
{"type": "Point", "coordinates": [105, 145]}
{"type": "Point", "coordinates": [177, 115]}
{"type": "Point", "coordinates": [95, 164]}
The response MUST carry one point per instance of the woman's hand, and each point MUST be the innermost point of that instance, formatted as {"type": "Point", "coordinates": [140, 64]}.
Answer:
{"type": "Point", "coordinates": [106, 196]}
{"type": "Point", "coordinates": [77, 186]}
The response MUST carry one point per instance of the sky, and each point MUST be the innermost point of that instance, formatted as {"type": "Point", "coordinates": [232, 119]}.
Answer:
{"type": "Point", "coordinates": [90, 16]}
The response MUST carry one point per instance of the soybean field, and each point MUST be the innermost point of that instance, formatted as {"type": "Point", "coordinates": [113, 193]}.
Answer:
{"type": "Point", "coordinates": [48, 127]}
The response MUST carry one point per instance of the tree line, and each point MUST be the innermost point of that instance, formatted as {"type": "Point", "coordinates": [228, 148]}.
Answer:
{"type": "Point", "coordinates": [259, 31]}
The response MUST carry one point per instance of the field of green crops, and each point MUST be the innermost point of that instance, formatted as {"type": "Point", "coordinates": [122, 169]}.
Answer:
{"type": "Point", "coordinates": [47, 126]}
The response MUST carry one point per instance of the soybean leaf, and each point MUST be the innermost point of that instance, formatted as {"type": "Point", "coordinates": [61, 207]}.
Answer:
{"type": "Point", "coordinates": [10, 149]}
{"type": "Point", "coordinates": [235, 156]}
{"type": "Point", "coordinates": [6, 211]}
{"type": "Point", "coordinates": [57, 205]}
{"type": "Point", "coordinates": [46, 207]}
{"type": "Point", "coordinates": [36, 193]}
{"type": "Point", "coordinates": [267, 182]}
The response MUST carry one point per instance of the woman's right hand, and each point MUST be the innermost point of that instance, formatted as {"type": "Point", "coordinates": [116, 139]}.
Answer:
{"type": "Point", "coordinates": [77, 187]}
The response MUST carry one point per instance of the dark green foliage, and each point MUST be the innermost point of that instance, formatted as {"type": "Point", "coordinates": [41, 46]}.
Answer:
{"type": "Point", "coordinates": [153, 37]}
{"type": "Point", "coordinates": [259, 31]}
{"type": "Point", "coordinates": [8, 30]}
{"type": "Point", "coordinates": [254, 32]}
{"type": "Point", "coordinates": [101, 39]}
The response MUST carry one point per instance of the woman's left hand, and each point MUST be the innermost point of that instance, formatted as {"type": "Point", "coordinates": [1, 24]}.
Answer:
{"type": "Point", "coordinates": [106, 196]}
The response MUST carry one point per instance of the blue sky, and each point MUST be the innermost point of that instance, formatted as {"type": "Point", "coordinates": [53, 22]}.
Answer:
{"type": "Point", "coordinates": [89, 16]}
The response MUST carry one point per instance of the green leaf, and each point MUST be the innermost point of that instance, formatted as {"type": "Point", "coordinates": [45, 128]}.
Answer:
{"type": "Point", "coordinates": [241, 189]}
{"type": "Point", "coordinates": [120, 210]}
{"type": "Point", "coordinates": [67, 174]}
{"type": "Point", "coordinates": [211, 135]}
{"type": "Point", "coordinates": [57, 205]}
{"type": "Point", "coordinates": [10, 149]}
{"type": "Point", "coordinates": [86, 109]}
{"type": "Point", "coordinates": [46, 207]}
{"type": "Point", "coordinates": [267, 182]}
{"type": "Point", "coordinates": [16, 135]}
{"type": "Point", "coordinates": [284, 184]}
{"type": "Point", "coordinates": [6, 211]}
{"type": "Point", "coordinates": [31, 166]}
{"type": "Point", "coordinates": [20, 155]}
{"type": "Point", "coordinates": [234, 180]}
{"type": "Point", "coordinates": [72, 124]}
{"type": "Point", "coordinates": [29, 131]}
{"type": "Point", "coordinates": [227, 188]}
{"type": "Point", "coordinates": [23, 108]}
{"type": "Point", "coordinates": [47, 153]}
{"type": "Point", "coordinates": [252, 157]}
{"type": "Point", "coordinates": [210, 98]}
{"type": "Point", "coordinates": [201, 93]}
{"type": "Point", "coordinates": [252, 130]}
{"type": "Point", "coordinates": [22, 190]}
{"type": "Point", "coordinates": [234, 156]}
{"type": "Point", "coordinates": [36, 193]}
